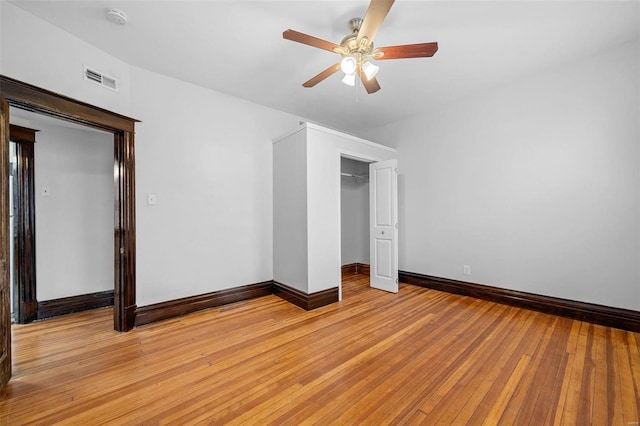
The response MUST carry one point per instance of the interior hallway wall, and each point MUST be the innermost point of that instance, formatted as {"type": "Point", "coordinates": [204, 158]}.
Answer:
{"type": "Point", "coordinates": [74, 222]}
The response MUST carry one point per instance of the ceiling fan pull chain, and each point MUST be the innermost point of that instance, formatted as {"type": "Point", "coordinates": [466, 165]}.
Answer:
{"type": "Point", "coordinates": [358, 76]}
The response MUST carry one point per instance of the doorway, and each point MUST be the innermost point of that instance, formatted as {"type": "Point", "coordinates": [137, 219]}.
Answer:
{"type": "Point", "coordinates": [354, 206]}
{"type": "Point", "coordinates": [380, 214]}
{"type": "Point", "coordinates": [63, 190]}
{"type": "Point", "coordinates": [14, 93]}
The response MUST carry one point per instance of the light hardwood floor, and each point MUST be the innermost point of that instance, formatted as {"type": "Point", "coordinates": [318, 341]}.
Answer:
{"type": "Point", "coordinates": [416, 357]}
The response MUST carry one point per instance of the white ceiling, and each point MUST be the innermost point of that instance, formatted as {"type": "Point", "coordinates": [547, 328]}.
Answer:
{"type": "Point", "coordinates": [236, 47]}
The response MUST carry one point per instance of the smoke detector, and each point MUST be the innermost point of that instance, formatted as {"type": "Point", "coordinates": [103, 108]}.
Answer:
{"type": "Point", "coordinates": [116, 16]}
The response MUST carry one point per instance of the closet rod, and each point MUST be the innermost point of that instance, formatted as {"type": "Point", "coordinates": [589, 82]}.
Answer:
{"type": "Point", "coordinates": [355, 176]}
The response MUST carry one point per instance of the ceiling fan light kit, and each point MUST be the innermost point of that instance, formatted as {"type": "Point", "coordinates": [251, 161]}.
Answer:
{"type": "Point", "coordinates": [357, 49]}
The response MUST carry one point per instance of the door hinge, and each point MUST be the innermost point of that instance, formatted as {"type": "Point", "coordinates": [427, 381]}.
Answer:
{"type": "Point", "coordinates": [121, 250]}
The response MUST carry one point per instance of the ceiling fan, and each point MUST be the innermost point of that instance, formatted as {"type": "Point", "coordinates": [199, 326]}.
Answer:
{"type": "Point", "coordinates": [357, 49]}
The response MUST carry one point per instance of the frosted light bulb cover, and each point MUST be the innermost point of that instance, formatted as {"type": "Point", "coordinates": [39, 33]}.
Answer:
{"type": "Point", "coordinates": [348, 65]}
{"type": "Point", "coordinates": [349, 79]}
{"type": "Point", "coordinates": [370, 70]}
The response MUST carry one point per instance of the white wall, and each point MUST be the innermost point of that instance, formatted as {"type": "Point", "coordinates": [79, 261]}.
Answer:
{"type": "Point", "coordinates": [74, 224]}
{"type": "Point", "coordinates": [206, 156]}
{"type": "Point", "coordinates": [290, 211]}
{"type": "Point", "coordinates": [324, 149]}
{"type": "Point", "coordinates": [535, 185]}
{"type": "Point", "coordinates": [36, 52]}
{"type": "Point", "coordinates": [355, 212]}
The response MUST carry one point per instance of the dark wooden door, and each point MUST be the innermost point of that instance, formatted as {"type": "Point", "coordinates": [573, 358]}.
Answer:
{"type": "Point", "coordinates": [5, 310]}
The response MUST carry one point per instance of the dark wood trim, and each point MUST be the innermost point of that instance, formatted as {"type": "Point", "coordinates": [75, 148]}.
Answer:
{"type": "Point", "coordinates": [125, 231]}
{"type": "Point", "coordinates": [355, 268]}
{"type": "Point", "coordinates": [186, 305]}
{"type": "Point", "coordinates": [24, 291]}
{"type": "Point", "coordinates": [363, 269]}
{"type": "Point", "coordinates": [291, 295]}
{"type": "Point", "coordinates": [26, 311]}
{"type": "Point", "coordinates": [349, 269]}
{"type": "Point", "coordinates": [31, 98]}
{"type": "Point", "coordinates": [69, 305]}
{"type": "Point", "coordinates": [22, 134]}
{"type": "Point", "coordinates": [322, 298]}
{"type": "Point", "coordinates": [5, 290]}
{"type": "Point", "coordinates": [625, 319]}
{"type": "Point", "coordinates": [24, 263]}
{"type": "Point", "coordinates": [304, 300]}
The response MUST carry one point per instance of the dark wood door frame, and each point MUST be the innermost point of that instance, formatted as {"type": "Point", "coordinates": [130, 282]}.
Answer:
{"type": "Point", "coordinates": [31, 98]}
{"type": "Point", "coordinates": [5, 312]}
{"type": "Point", "coordinates": [24, 265]}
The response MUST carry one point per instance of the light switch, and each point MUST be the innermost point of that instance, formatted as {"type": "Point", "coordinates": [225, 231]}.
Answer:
{"type": "Point", "coordinates": [46, 191]}
{"type": "Point", "coordinates": [151, 199]}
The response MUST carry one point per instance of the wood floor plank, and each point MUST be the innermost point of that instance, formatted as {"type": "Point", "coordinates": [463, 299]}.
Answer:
{"type": "Point", "coordinates": [544, 390]}
{"type": "Point", "coordinates": [488, 378]}
{"type": "Point", "coordinates": [572, 343]}
{"type": "Point", "coordinates": [530, 331]}
{"type": "Point", "coordinates": [416, 357]}
{"type": "Point", "coordinates": [509, 388]}
{"type": "Point", "coordinates": [599, 406]}
{"type": "Point", "coordinates": [630, 401]}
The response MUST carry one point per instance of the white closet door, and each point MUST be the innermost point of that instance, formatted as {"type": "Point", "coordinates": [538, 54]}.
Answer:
{"type": "Point", "coordinates": [383, 211]}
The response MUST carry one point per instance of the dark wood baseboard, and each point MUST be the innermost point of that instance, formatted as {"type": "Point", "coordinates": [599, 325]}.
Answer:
{"type": "Point", "coordinates": [349, 269]}
{"type": "Point", "coordinates": [186, 305]}
{"type": "Point", "coordinates": [625, 319]}
{"type": "Point", "coordinates": [363, 268]}
{"type": "Point", "coordinates": [355, 268]}
{"type": "Point", "coordinates": [304, 300]}
{"type": "Point", "coordinates": [69, 305]}
{"type": "Point", "coordinates": [28, 312]}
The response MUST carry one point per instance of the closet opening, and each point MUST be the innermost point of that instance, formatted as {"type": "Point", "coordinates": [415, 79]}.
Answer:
{"type": "Point", "coordinates": [354, 206]}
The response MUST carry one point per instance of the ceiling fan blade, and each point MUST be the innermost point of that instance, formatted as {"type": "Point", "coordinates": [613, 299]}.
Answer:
{"type": "Point", "coordinates": [420, 50]}
{"type": "Point", "coordinates": [371, 86]}
{"type": "Point", "coordinates": [377, 11]}
{"type": "Point", "coordinates": [324, 74]}
{"type": "Point", "coordinates": [309, 40]}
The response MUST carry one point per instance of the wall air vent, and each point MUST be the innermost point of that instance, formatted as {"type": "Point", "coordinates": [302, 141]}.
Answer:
{"type": "Point", "coordinates": [100, 78]}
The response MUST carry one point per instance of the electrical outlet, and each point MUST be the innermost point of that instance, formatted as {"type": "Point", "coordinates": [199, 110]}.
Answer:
{"type": "Point", "coordinates": [466, 269]}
